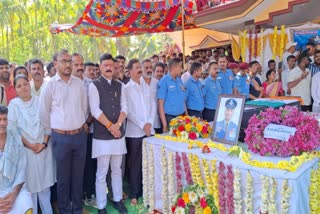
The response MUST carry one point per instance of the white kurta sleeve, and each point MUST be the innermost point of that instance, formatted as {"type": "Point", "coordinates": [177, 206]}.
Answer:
{"type": "Point", "coordinates": [45, 106]}
{"type": "Point", "coordinates": [94, 101]}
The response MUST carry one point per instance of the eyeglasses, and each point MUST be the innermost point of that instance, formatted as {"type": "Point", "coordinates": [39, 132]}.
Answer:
{"type": "Point", "coordinates": [64, 61]}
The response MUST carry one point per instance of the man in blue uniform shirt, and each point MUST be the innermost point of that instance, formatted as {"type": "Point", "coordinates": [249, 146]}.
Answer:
{"type": "Point", "coordinates": [211, 92]}
{"type": "Point", "coordinates": [194, 94]}
{"type": "Point", "coordinates": [226, 129]}
{"type": "Point", "coordinates": [226, 75]}
{"type": "Point", "coordinates": [242, 81]}
{"type": "Point", "coordinates": [171, 94]}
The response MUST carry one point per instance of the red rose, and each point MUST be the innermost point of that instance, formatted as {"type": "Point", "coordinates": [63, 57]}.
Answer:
{"type": "Point", "coordinates": [175, 132]}
{"type": "Point", "coordinates": [181, 128]}
{"type": "Point", "coordinates": [204, 129]}
{"type": "Point", "coordinates": [203, 203]}
{"type": "Point", "coordinates": [192, 136]}
{"type": "Point", "coordinates": [173, 208]}
{"type": "Point", "coordinates": [188, 120]}
{"type": "Point", "coordinates": [181, 203]}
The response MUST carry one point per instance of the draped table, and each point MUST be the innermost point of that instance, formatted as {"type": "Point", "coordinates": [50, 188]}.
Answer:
{"type": "Point", "coordinates": [153, 182]}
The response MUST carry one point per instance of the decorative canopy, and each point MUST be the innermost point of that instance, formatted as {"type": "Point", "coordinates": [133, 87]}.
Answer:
{"type": "Point", "coordinates": [114, 18]}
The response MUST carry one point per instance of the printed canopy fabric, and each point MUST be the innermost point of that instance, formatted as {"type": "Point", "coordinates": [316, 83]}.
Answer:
{"type": "Point", "coordinates": [114, 18]}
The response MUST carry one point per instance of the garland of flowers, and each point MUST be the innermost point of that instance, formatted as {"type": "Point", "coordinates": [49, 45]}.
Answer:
{"type": "Point", "coordinates": [285, 193]}
{"type": "Point", "coordinates": [164, 179]}
{"type": "Point", "coordinates": [248, 200]}
{"type": "Point", "coordinates": [244, 46]}
{"type": "Point", "coordinates": [290, 165]}
{"type": "Point", "coordinates": [222, 188]}
{"type": "Point", "coordinates": [193, 168]}
{"type": "Point", "coordinates": [215, 181]}
{"type": "Point", "coordinates": [208, 176]}
{"type": "Point", "coordinates": [178, 173]}
{"type": "Point", "coordinates": [186, 167]}
{"type": "Point", "coordinates": [151, 178]}
{"type": "Point", "coordinates": [255, 51]}
{"type": "Point", "coordinates": [274, 46]}
{"type": "Point", "coordinates": [250, 45]}
{"type": "Point", "coordinates": [261, 46]}
{"type": "Point", "coordinates": [145, 172]}
{"type": "Point", "coordinates": [264, 195]}
{"type": "Point", "coordinates": [229, 200]}
{"type": "Point", "coordinates": [272, 202]}
{"type": "Point", "coordinates": [198, 171]}
{"type": "Point", "coordinates": [237, 198]}
{"type": "Point", "coordinates": [171, 187]}
{"type": "Point", "coordinates": [305, 139]}
{"type": "Point", "coordinates": [314, 191]}
{"type": "Point", "coordinates": [281, 48]}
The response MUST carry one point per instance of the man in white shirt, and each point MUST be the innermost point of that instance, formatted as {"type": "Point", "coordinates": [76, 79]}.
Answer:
{"type": "Point", "coordinates": [315, 92]}
{"type": "Point", "coordinates": [140, 118]}
{"type": "Point", "coordinates": [186, 75]}
{"type": "Point", "coordinates": [152, 85]}
{"type": "Point", "coordinates": [291, 62]}
{"type": "Point", "coordinates": [38, 82]}
{"type": "Point", "coordinates": [290, 50]}
{"type": "Point", "coordinates": [299, 82]}
{"type": "Point", "coordinates": [108, 107]}
{"type": "Point", "coordinates": [63, 108]}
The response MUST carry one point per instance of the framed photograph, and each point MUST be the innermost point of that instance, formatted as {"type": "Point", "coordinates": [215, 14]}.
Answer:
{"type": "Point", "coordinates": [227, 121]}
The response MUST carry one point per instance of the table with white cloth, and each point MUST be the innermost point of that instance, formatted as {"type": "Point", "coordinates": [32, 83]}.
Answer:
{"type": "Point", "coordinates": [299, 181]}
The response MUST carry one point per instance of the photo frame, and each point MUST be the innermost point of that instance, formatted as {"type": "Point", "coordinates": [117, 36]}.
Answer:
{"type": "Point", "coordinates": [228, 117]}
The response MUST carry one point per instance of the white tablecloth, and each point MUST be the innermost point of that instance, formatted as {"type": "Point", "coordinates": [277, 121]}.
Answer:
{"type": "Point", "coordinates": [299, 181]}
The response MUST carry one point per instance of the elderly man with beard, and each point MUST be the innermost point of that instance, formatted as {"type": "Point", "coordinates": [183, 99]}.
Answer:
{"type": "Point", "coordinates": [38, 83]}
{"type": "Point", "coordinates": [9, 91]}
{"type": "Point", "coordinates": [63, 108]}
{"type": "Point", "coordinates": [141, 103]}
{"type": "Point", "coordinates": [14, 197]}
{"type": "Point", "coordinates": [77, 65]}
{"type": "Point", "coordinates": [108, 107]}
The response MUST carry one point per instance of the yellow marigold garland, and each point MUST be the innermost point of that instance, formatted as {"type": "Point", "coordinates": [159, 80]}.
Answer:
{"type": "Point", "coordinates": [208, 176]}
{"type": "Point", "coordinates": [244, 45]}
{"type": "Point", "coordinates": [261, 45]}
{"type": "Point", "coordinates": [274, 46]}
{"type": "Point", "coordinates": [198, 171]}
{"type": "Point", "coordinates": [215, 181]}
{"type": "Point", "coordinates": [193, 167]}
{"type": "Point", "coordinates": [292, 165]}
{"type": "Point", "coordinates": [281, 47]}
{"type": "Point", "coordinates": [314, 191]}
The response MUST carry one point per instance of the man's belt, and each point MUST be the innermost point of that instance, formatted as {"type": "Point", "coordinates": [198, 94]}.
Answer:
{"type": "Point", "coordinates": [70, 132]}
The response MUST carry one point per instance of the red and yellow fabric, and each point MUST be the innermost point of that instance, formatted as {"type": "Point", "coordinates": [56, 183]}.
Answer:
{"type": "Point", "coordinates": [114, 18]}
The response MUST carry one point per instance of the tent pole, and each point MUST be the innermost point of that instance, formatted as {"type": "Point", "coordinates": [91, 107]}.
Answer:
{"type": "Point", "coordinates": [183, 42]}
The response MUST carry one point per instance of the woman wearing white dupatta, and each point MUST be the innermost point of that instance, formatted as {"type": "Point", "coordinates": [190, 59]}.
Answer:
{"type": "Point", "coordinates": [41, 170]}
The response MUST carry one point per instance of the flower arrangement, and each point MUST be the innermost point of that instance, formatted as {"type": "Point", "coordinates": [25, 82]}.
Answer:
{"type": "Point", "coordinates": [194, 199]}
{"type": "Point", "coordinates": [305, 139]}
{"type": "Point", "coordinates": [186, 127]}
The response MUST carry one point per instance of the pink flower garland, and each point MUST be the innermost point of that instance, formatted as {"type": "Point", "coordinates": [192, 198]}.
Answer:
{"type": "Point", "coordinates": [178, 172]}
{"type": "Point", "coordinates": [186, 167]}
{"type": "Point", "coordinates": [306, 138]}
{"type": "Point", "coordinates": [229, 200]}
{"type": "Point", "coordinates": [222, 188]}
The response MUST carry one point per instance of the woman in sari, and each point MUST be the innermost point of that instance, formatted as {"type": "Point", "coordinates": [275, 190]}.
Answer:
{"type": "Point", "coordinates": [270, 87]}
{"type": "Point", "coordinates": [40, 170]}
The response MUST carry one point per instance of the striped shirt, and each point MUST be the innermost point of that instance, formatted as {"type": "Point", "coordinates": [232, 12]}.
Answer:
{"type": "Point", "coordinates": [314, 69]}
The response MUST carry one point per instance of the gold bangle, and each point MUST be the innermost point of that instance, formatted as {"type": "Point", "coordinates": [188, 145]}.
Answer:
{"type": "Point", "coordinates": [108, 126]}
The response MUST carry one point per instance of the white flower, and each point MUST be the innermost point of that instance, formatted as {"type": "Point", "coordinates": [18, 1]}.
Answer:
{"type": "Point", "coordinates": [193, 197]}
{"type": "Point", "coordinates": [184, 135]}
{"type": "Point", "coordinates": [179, 210]}
{"type": "Point", "coordinates": [170, 131]}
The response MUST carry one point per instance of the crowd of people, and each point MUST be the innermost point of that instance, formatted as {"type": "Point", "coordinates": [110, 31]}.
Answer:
{"type": "Point", "coordinates": [70, 126]}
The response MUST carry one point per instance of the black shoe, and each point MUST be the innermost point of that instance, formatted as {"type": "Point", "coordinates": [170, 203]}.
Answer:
{"type": "Point", "coordinates": [120, 207]}
{"type": "Point", "coordinates": [102, 211]}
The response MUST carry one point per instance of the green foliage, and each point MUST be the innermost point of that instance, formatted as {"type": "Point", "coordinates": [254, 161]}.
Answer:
{"type": "Point", "coordinates": [25, 34]}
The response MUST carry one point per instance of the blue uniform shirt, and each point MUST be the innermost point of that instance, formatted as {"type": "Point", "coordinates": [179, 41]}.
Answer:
{"type": "Point", "coordinates": [173, 93]}
{"type": "Point", "coordinates": [211, 91]}
{"type": "Point", "coordinates": [242, 83]}
{"type": "Point", "coordinates": [226, 79]}
{"type": "Point", "coordinates": [194, 94]}
{"type": "Point", "coordinates": [226, 131]}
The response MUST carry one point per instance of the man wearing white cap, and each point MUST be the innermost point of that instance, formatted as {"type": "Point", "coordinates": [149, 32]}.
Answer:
{"type": "Point", "coordinates": [290, 50]}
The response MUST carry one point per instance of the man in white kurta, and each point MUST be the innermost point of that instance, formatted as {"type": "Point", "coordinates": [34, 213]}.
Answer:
{"type": "Point", "coordinates": [108, 107]}
{"type": "Point", "coordinates": [14, 197]}
{"type": "Point", "coordinates": [140, 115]}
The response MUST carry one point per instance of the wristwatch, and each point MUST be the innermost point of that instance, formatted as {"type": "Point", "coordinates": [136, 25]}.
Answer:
{"type": "Point", "coordinates": [45, 144]}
